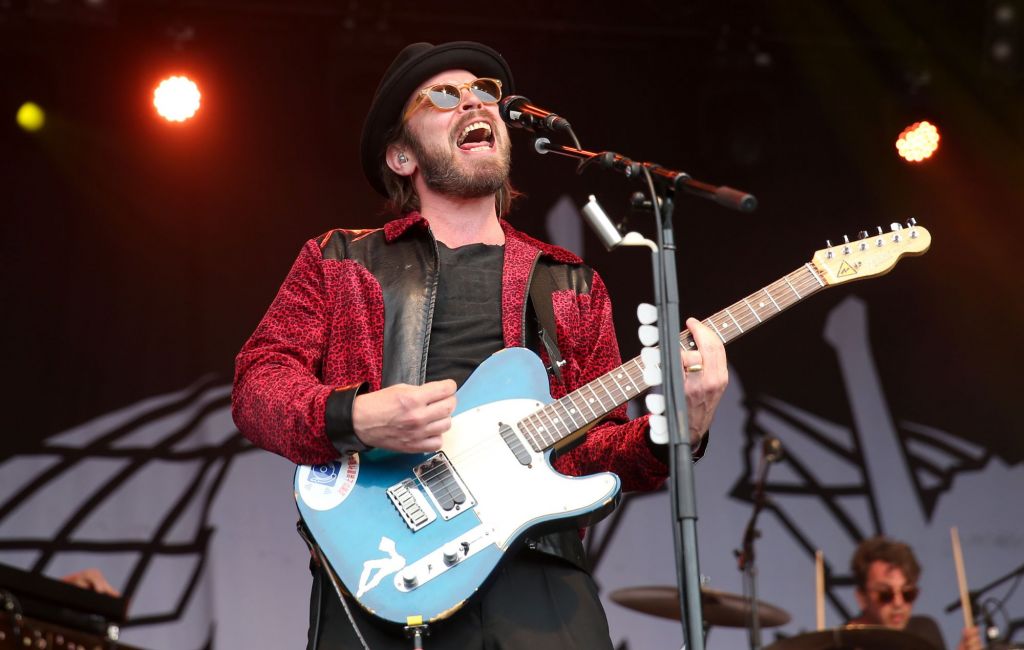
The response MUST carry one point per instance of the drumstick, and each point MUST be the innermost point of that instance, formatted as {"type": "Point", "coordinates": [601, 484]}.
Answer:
{"type": "Point", "coordinates": [961, 578]}
{"type": "Point", "coordinates": [819, 587]}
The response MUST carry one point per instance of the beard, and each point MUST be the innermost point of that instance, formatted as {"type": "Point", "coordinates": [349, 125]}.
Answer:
{"type": "Point", "coordinates": [478, 178]}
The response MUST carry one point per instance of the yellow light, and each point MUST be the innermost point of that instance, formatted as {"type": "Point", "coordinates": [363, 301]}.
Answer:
{"type": "Point", "coordinates": [918, 141]}
{"type": "Point", "coordinates": [176, 98]}
{"type": "Point", "coordinates": [31, 116]}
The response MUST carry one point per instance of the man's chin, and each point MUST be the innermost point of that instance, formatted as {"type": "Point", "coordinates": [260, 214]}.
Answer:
{"type": "Point", "coordinates": [897, 622]}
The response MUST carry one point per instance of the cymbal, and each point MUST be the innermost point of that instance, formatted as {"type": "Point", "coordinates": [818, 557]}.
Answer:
{"type": "Point", "coordinates": [860, 637]}
{"type": "Point", "coordinates": [718, 607]}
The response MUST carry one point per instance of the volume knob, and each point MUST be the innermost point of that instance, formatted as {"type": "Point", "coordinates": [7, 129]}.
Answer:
{"type": "Point", "coordinates": [451, 553]}
{"type": "Point", "coordinates": [410, 578]}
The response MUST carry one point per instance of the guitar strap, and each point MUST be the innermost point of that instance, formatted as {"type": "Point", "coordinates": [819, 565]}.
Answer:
{"type": "Point", "coordinates": [542, 285]}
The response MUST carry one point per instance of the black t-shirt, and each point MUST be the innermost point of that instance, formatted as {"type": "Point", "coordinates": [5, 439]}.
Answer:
{"type": "Point", "coordinates": [467, 327]}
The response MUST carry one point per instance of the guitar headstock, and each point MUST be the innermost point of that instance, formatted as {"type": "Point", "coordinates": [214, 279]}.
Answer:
{"type": "Point", "coordinates": [870, 255]}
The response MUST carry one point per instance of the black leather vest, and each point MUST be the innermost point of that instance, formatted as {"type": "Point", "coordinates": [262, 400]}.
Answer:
{"type": "Point", "coordinates": [407, 270]}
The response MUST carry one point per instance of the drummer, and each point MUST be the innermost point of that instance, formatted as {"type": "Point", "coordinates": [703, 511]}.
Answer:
{"type": "Point", "coordinates": [886, 574]}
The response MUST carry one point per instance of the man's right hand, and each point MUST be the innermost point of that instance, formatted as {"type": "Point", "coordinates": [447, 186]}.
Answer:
{"type": "Point", "coordinates": [405, 418]}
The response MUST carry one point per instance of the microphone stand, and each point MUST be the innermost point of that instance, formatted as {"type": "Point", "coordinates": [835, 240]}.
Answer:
{"type": "Point", "coordinates": [955, 605]}
{"type": "Point", "coordinates": [682, 489]}
{"type": "Point", "coordinates": [745, 556]}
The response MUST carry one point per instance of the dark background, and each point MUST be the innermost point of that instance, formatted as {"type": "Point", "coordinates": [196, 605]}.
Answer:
{"type": "Point", "coordinates": [137, 255]}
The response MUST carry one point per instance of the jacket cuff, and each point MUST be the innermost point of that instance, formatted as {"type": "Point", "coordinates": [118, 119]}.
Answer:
{"type": "Point", "coordinates": [338, 420]}
{"type": "Point", "coordinates": [660, 451]}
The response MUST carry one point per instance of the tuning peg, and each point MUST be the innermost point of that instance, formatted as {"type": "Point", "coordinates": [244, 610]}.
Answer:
{"type": "Point", "coordinates": [828, 243]}
{"type": "Point", "coordinates": [895, 226]}
{"type": "Point", "coordinates": [911, 222]}
{"type": "Point", "coordinates": [863, 234]}
{"type": "Point", "coordinates": [846, 240]}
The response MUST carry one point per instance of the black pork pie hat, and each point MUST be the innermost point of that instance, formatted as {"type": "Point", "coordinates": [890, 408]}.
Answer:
{"type": "Point", "coordinates": [406, 74]}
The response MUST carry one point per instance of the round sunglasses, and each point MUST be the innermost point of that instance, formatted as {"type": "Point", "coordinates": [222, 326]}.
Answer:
{"type": "Point", "coordinates": [886, 595]}
{"type": "Point", "coordinates": [447, 96]}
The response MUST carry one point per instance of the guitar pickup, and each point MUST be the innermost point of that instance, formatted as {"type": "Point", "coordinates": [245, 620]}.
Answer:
{"type": "Point", "coordinates": [444, 487]}
{"type": "Point", "coordinates": [515, 445]}
{"type": "Point", "coordinates": [411, 504]}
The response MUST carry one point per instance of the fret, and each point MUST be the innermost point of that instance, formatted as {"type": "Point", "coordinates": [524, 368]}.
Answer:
{"type": "Point", "coordinates": [625, 371]}
{"type": "Point", "coordinates": [811, 270]}
{"type": "Point", "coordinates": [572, 397]}
{"type": "Point", "coordinates": [734, 319]}
{"type": "Point", "coordinates": [792, 287]}
{"type": "Point", "coordinates": [769, 294]}
{"type": "Point", "coordinates": [621, 389]}
{"type": "Point", "coordinates": [528, 424]}
{"type": "Point", "coordinates": [638, 366]}
{"type": "Point", "coordinates": [686, 338]}
{"type": "Point", "coordinates": [590, 401]}
{"type": "Point", "coordinates": [752, 310]}
{"type": "Point", "coordinates": [567, 412]}
{"type": "Point", "coordinates": [556, 421]}
{"type": "Point", "coordinates": [711, 322]}
{"type": "Point", "coordinates": [607, 397]}
{"type": "Point", "coordinates": [545, 429]}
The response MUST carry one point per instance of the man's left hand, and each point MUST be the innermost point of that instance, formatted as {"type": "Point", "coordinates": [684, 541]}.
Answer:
{"type": "Point", "coordinates": [706, 374]}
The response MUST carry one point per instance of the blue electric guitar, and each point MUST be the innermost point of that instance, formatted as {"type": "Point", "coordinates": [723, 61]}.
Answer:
{"type": "Point", "coordinates": [412, 536]}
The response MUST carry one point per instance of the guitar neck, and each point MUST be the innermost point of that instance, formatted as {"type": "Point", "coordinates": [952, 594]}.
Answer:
{"type": "Point", "coordinates": [562, 418]}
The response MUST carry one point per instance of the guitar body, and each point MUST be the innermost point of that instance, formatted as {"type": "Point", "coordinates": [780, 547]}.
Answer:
{"type": "Point", "coordinates": [418, 534]}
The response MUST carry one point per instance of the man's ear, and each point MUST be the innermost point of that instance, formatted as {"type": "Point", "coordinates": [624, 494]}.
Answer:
{"type": "Point", "coordinates": [400, 160]}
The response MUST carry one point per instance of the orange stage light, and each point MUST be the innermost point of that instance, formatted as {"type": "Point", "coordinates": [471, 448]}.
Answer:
{"type": "Point", "coordinates": [918, 141]}
{"type": "Point", "coordinates": [176, 98]}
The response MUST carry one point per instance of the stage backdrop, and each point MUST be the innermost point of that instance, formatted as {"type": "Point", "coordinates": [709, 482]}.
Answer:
{"type": "Point", "coordinates": [138, 256]}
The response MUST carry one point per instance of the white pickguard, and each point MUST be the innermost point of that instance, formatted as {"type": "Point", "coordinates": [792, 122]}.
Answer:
{"type": "Point", "coordinates": [509, 494]}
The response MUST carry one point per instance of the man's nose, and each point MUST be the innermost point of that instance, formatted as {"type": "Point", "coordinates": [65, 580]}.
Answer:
{"type": "Point", "coordinates": [469, 101]}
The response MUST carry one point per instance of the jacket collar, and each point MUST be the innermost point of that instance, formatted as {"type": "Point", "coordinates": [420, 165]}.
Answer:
{"type": "Point", "coordinates": [398, 227]}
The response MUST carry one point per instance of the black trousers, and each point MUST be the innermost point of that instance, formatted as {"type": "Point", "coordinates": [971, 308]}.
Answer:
{"type": "Point", "coordinates": [534, 602]}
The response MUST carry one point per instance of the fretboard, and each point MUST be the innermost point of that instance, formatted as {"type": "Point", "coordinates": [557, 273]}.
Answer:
{"type": "Point", "coordinates": [560, 419]}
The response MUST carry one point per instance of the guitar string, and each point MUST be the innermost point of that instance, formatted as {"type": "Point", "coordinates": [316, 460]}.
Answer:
{"type": "Point", "coordinates": [802, 283]}
{"type": "Point", "coordinates": [803, 287]}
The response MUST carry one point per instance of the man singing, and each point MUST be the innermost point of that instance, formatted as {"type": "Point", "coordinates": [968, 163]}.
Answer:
{"type": "Point", "coordinates": [373, 331]}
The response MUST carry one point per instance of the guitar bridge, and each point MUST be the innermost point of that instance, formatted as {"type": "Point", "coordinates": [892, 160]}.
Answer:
{"type": "Point", "coordinates": [411, 504]}
{"type": "Point", "coordinates": [443, 486]}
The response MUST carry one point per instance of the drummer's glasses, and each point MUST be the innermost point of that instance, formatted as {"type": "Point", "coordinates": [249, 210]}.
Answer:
{"type": "Point", "coordinates": [886, 595]}
{"type": "Point", "coordinates": [446, 96]}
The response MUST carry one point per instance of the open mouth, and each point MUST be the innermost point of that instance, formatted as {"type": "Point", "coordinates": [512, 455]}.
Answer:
{"type": "Point", "coordinates": [476, 136]}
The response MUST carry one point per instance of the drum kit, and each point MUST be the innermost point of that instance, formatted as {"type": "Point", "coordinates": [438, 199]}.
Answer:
{"type": "Point", "coordinates": [732, 610]}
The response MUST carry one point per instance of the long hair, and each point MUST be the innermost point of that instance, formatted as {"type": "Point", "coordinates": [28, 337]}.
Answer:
{"type": "Point", "coordinates": [402, 196]}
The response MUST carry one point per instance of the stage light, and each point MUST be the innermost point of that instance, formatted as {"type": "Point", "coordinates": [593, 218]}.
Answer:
{"type": "Point", "coordinates": [918, 141]}
{"type": "Point", "coordinates": [31, 116]}
{"type": "Point", "coordinates": [176, 98]}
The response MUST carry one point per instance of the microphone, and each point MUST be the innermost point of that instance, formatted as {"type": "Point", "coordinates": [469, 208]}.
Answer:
{"type": "Point", "coordinates": [518, 112]}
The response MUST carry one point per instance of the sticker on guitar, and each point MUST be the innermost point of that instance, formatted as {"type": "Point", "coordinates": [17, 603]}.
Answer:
{"type": "Point", "coordinates": [325, 486]}
{"type": "Point", "coordinates": [375, 570]}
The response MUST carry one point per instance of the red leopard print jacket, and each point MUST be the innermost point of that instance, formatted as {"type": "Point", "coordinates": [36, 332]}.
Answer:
{"type": "Point", "coordinates": [324, 333]}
